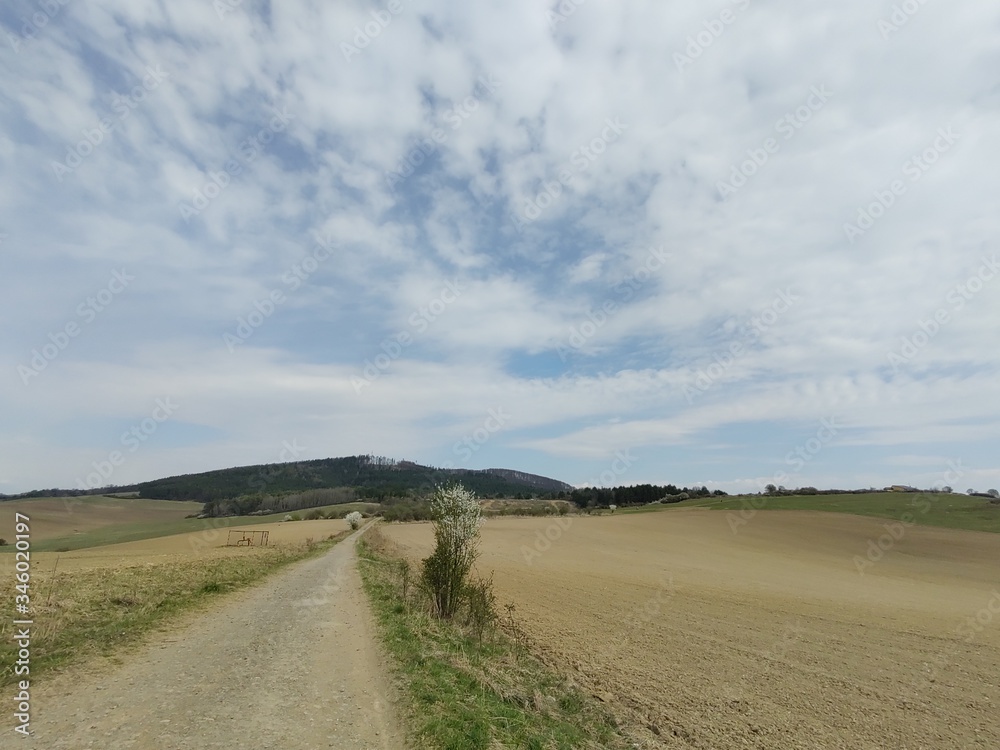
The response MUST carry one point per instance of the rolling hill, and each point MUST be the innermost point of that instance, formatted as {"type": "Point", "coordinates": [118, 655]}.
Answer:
{"type": "Point", "coordinates": [370, 476]}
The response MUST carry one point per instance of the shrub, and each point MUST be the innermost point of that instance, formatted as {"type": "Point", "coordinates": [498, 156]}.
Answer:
{"type": "Point", "coordinates": [405, 577]}
{"type": "Point", "coordinates": [314, 515]}
{"type": "Point", "coordinates": [3, 542]}
{"type": "Point", "coordinates": [481, 607]}
{"type": "Point", "coordinates": [354, 519]}
{"type": "Point", "coordinates": [456, 514]}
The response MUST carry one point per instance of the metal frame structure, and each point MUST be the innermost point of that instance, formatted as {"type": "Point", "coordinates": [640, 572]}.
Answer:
{"type": "Point", "coordinates": [247, 538]}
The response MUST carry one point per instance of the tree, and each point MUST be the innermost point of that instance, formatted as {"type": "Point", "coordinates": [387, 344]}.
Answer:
{"type": "Point", "coordinates": [455, 512]}
{"type": "Point", "coordinates": [771, 489]}
{"type": "Point", "coordinates": [354, 519]}
{"type": "Point", "coordinates": [993, 493]}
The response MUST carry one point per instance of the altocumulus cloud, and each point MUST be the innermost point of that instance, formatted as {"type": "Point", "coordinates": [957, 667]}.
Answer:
{"type": "Point", "coordinates": [531, 155]}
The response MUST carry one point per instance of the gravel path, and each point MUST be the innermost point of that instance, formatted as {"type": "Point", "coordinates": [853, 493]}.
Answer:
{"type": "Point", "coordinates": [291, 663]}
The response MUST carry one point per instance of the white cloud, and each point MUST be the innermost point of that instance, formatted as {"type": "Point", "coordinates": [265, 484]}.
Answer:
{"type": "Point", "coordinates": [651, 183]}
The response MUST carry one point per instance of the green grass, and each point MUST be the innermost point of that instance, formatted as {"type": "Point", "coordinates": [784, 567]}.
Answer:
{"type": "Point", "coordinates": [951, 511]}
{"type": "Point", "coordinates": [467, 696]}
{"type": "Point", "coordinates": [83, 614]}
{"type": "Point", "coordinates": [134, 532]}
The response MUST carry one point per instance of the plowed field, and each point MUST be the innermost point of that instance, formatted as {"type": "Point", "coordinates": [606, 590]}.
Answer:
{"type": "Point", "coordinates": [776, 636]}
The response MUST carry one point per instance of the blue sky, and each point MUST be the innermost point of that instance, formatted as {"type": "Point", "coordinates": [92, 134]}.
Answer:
{"type": "Point", "coordinates": [610, 242]}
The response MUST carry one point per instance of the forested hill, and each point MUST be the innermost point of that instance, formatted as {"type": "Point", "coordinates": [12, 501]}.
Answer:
{"type": "Point", "coordinates": [371, 477]}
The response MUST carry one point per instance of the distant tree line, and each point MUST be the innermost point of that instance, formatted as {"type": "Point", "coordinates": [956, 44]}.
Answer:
{"type": "Point", "coordinates": [639, 494]}
{"type": "Point", "coordinates": [265, 504]}
{"type": "Point", "coordinates": [56, 492]}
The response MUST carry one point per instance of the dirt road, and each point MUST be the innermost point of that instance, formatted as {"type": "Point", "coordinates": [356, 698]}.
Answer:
{"type": "Point", "coordinates": [770, 638]}
{"type": "Point", "coordinates": [291, 663]}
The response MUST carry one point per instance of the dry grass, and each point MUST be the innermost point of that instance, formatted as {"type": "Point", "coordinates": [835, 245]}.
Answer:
{"type": "Point", "coordinates": [84, 613]}
{"type": "Point", "coordinates": [472, 694]}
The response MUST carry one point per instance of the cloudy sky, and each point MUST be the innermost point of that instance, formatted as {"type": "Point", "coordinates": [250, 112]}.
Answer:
{"type": "Point", "coordinates": [722, 243]}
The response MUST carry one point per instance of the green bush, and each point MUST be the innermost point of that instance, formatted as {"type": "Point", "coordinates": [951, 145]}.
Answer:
{"type": "Point", "coordinates": [456, 513]}
{"type": "Point", "coordinates": [480, 607]}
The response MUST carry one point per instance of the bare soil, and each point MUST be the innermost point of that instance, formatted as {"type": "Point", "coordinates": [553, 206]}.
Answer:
{"type": "Point", "coordinates": [770, 637]}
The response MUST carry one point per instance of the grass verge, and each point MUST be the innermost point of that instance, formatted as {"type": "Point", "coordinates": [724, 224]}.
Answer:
{"type": "Point", "coordinates": [87, 613]}
{"type": "Point", "coordinates": [467, 694]}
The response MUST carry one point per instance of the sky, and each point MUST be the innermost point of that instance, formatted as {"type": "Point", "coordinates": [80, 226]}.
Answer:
{"type": "Point", "coordinates": [612, 242]}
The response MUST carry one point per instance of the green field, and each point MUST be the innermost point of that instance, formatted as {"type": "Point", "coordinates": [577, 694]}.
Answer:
{"type": "Point", "coordinates": [951, 511]}
{"type": "Point", "coordinates": [65, 524]}
{"type": "Point", "coordinates": [133, 532]}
